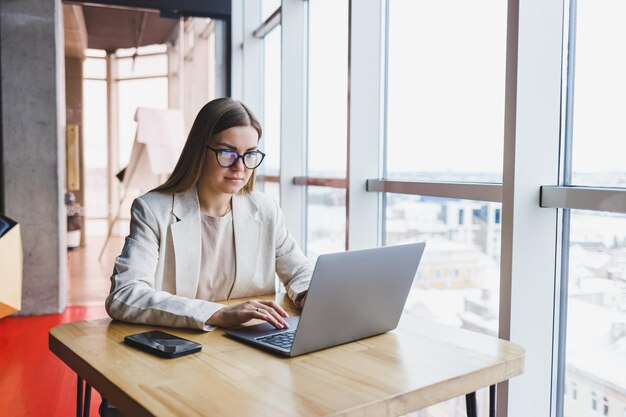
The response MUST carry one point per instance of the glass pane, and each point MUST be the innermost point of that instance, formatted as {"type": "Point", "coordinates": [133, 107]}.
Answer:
{"type": "Point", "coordinates": [271, 105]}
{"type": "Point", "coordinates": [326, 220]}
{"type": "Point", "coordinates": [445, 86]}
{"type": "Point", "coordinates": [271, 189]}
{"type": "Point", "coordinates": [458, 280]}
{"type": "Point", "coordinates": [269, 7]}
{"type": "Point", "coordinates": [95, 148]}
{"type": "Point", "coordinates": [95, 68]}
{"type": "Point", "coordinates": [142, 66]}
{"type": "Point", "coordinates": [600, 86]}
{"type": "Point", "coordinates": [596, 317]}
{"type": "Point", "coordinates": [328, 88]}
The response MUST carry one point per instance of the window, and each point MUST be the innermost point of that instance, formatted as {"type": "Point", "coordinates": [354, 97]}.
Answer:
{"type": "Point", "coordinates": [597, 240]}
{"type": "Point", "coordinates": [270, 34]}
{"type": "Point", "coordinates": [95, 140]}
{"type": "Point", "coordinates": [597, 267]}
{"type": "Point", "coordinates": [466, 296]}
{"type": "Point", "coordinates": [444, 104]}
{"type": "Point", "coordinates": [445, 101]}
{"type": "Point", "coordinates": [328, 88]}
{"type": "Point", "coordinates": [271, 106]}
{"type": "Point", "coordinates": [269, 7]}
{"type": "Point", "coordinates": [142, 66]}
{"type": "Point", "coordinates": [327, 124]}
{"type": "Point", "coordinates": [140, 81]}
{"type": "Point", "coordinates": [594, 402]}
{"type": "Point", "coordinates": [445, 90]}
{"type": "Point", "coordinates": [326, 220]}
{"type": "Point", "coordinates": [272, 189]}
{"type": "Point", "coordinates": [599, 90]}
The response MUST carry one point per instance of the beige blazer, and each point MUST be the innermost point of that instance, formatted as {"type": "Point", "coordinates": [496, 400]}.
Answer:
{"type": "Point", "coordinates": [155, 279]}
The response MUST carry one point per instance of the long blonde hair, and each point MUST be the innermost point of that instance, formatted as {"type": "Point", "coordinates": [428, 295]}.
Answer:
{"type": "Point", "coordinates": [215, 117]}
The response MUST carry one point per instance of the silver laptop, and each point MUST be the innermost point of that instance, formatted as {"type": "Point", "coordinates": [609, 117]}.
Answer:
{"type": "Point", "coordinates": [353, 295]}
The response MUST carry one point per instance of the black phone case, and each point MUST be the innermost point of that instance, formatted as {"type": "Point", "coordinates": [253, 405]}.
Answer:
{"type": "Point", "coordinates": [162, 344]}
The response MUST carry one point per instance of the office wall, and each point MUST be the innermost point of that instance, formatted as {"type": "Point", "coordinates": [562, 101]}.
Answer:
{"type": "Point", "coordinates": [33, 131]}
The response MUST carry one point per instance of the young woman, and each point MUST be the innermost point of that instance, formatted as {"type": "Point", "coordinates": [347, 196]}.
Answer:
{"type": "Point", "coordinates": [205, 235]}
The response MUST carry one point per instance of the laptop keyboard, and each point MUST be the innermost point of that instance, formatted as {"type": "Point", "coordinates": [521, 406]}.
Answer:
{"type": "Point", "coordinates": [282, 340]}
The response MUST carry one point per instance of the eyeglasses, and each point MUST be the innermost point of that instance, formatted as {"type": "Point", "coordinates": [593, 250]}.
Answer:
{"type": "Point", "coordinates": [227, 158]}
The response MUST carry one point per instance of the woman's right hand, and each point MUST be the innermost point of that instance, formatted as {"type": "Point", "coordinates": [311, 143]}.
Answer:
{"type": "Point", "coordinates": [234, 315]}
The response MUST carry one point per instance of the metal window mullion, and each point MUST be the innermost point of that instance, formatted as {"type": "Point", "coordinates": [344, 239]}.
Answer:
{"type": "Point", "coordinates": [529, 233]}
{"type": "Point", "coordinates": [584, 198]}
{"type": "Point", "coordinates": [384, 142]}
{"type": "Point", "coordinates": [269, 25]}
{"type": "Point", "coordinates": [562, 280]}
{"type": "Point", "coordinates": [122, 57]}
{"type": "Point", "coordinates": [562, 301]}
{"type": "Point", "coordinates": [321, 182]}
{"type": "Point", "coordinates": [365, 121]}
{"type": "Point", "coordinates": [141, 77]}
{"type": "Point", "coordinates": [465, 191]}
{"type": "Point", "coordinates": [294, 79]}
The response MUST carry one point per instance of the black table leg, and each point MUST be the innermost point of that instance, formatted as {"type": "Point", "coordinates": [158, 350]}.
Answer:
{"type": "Point", "coordinates": [80, 411]}
{"type": "Point", "coordinates": [104, 406]}
{"type": "Point", "coordinates": [87, 400]}
{"type": "Point", "coordinates": [79, 397]}
{"type": "Point", "coordinates": [470, 404]}
{"type": "Point", "coordinates": [492, 401]}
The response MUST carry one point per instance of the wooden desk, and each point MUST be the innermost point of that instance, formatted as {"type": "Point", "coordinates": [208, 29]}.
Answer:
{"type": "Point", "coordinates": [419, 364]}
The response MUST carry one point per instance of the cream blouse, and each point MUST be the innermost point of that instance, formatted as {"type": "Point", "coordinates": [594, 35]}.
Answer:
{"type": "Point", "coordinates": [217, 264]}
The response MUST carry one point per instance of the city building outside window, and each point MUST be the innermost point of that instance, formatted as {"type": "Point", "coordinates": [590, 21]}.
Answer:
{"type": "Point", "coordinates": [596, 271]}
{"type": "Point", "coordinates": [436, 115]}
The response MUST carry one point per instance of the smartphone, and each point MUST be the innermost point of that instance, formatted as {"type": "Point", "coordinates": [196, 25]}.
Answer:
{"type": "Point", "coordinates": [162, 344]}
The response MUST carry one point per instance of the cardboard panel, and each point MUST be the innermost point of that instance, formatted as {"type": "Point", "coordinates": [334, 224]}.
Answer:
{"type": "Point", "coordinates": [11, 266]}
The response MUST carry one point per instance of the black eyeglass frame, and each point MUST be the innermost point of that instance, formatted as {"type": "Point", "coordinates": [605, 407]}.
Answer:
{"type": "Point", "coordinates": [218, 151]}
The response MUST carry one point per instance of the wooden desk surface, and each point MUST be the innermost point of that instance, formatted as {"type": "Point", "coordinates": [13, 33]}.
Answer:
{"type": "Point", "coordinates": [419, 364]}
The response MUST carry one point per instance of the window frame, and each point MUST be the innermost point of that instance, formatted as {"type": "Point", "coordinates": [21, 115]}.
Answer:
{"type": "Point", "coordinates": [535, 192]}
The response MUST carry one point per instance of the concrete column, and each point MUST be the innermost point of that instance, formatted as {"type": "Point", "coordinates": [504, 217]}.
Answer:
{"type": "Point", "coordinates": [33, 142]}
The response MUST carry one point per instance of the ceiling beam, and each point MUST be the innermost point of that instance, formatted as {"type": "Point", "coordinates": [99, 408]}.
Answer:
{"type": "Point", "coordinates": [215, 9]}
